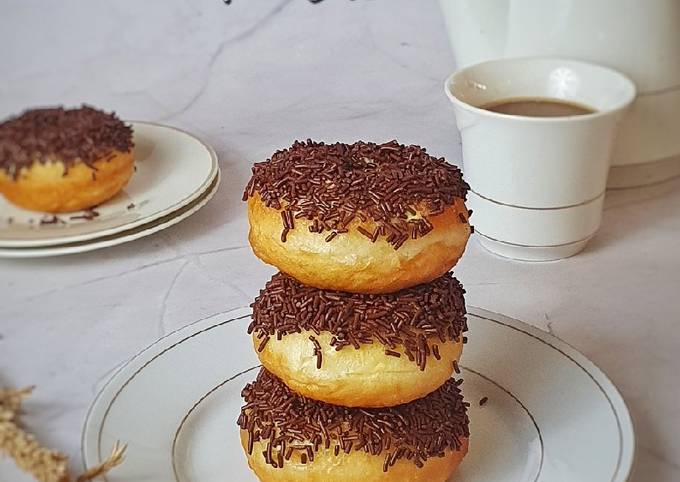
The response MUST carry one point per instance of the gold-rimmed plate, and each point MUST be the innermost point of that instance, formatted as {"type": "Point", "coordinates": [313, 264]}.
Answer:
{"type": "Point", "coordinates": [119, 237]}
{"type": "Point", "coordinates": [550, 414]}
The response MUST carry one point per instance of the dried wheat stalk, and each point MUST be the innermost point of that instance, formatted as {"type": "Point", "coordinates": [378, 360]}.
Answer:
{"type": "Point", "coordinates": [44, 464]}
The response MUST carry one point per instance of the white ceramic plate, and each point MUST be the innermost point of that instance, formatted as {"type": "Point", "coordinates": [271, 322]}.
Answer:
{"type": "Point", "coordinates": [551, 415]}
{"type": "Point", "coordinates": [173, 169]}
{"type": "Point", "coordinates": [120, 237]}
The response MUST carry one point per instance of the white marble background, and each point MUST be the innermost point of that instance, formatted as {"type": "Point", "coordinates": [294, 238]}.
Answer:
{"type": "Point", "coordinates": [252, 77]}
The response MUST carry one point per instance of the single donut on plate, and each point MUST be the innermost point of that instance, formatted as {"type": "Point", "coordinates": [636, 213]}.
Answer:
{"type": "Point", "coordinates": [362, 217]}
{"type": "Point", "coordinates": [360, 350]}
{"type": "Point", "coordinates": [61, 160]}
{"type": "Point", "coordinates": [289, 438]}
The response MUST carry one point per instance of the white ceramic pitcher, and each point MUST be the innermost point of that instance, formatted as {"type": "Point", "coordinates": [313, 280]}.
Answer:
{"type": "Point", "coordinates": [639, 38]}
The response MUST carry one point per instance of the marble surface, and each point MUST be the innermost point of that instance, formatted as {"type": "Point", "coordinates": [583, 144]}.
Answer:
{"type": "Point", "coordinates": [249, 78]}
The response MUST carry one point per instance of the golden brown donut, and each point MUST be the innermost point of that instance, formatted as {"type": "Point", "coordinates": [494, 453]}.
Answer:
{"type": "Point", "coordinates": [59, 160]}
{"type": "Point", "coordinates": [352, 262]}
{"type": "Point", "coordinates": [52, 188]}
{"type": "Point", "coordinates": [355, 466]}
{"type": "Point", "coordinates": [355, 378]}
{"type": "Point", "coordinates": [362, 218]}
{"type": "Point", "coordinates": [287, 437]}
{"type": "Point", "coordinates": [360, 350]}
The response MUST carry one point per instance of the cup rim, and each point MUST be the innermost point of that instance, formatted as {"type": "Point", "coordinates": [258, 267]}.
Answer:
{"type": "Point", "coordinates": [622, 105]}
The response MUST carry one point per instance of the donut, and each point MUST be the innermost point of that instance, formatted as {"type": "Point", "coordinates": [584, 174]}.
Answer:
{"type": "Point", "coordinates": [360, 350]}
{"type": "Point", "coordinates": [287, 437]}
{"type": "Point", "coordinates": [362, 217]}
{"type": "Point", "coordinates": [61, 160]}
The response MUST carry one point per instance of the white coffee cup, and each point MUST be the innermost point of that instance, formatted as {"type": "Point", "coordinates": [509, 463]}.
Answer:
{"type": "Point", "coordinates": [537, 183]}
{"type": "Point", "coordinates": [639, 38]}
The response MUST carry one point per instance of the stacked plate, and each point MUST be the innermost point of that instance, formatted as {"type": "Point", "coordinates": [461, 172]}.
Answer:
{"type": "Point", "coordinates": [175, 175]}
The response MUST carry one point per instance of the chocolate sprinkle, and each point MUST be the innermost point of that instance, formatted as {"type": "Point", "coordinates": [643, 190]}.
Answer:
{"type": "Point", "coordinates": [317, 351]}
{"type": "Point", "coordinates": [51, 220]}
{"type": "Point", "coordinates": [390, 189]}
{"type": "Point", "coordinates": [415, 318]}
{"type": "Point", "coordinates": [288, 423]}
{"type": "Point", "coordinates": [483, 401]}
{"type": "Point", "coordinates": [88, 215]}
{"type": "Point", "coordinates": [71, 136]}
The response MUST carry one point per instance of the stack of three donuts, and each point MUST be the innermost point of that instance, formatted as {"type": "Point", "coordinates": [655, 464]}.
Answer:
{"type": "Point", "coordinates": [359, 339]}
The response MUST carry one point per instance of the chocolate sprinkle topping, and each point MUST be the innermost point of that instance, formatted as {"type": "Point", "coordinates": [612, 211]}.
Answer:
{"type": "Point", "coordinates": [416, 318]}
{"type": "Point", "coordinates": [288, 423]}
{"type": "Point", "coordinates": [68, 135]}
{"type": "Point", "coordinates": [391, 189]}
